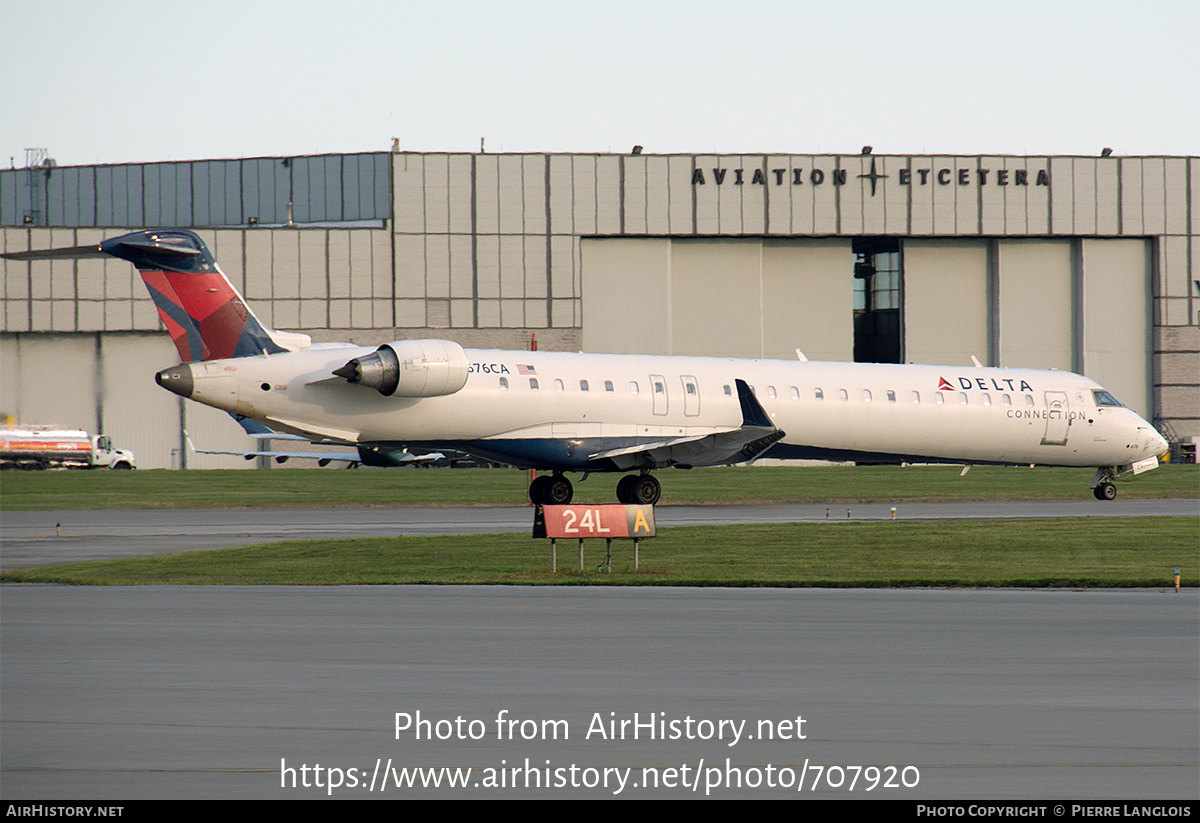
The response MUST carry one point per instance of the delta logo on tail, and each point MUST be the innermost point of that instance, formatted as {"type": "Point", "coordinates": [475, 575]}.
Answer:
{"type": "Point", "coordinates": [205, 316]}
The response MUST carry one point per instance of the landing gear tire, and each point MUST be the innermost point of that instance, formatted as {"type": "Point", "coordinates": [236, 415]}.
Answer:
{"type": "Point", "coordinates": [1105, 491]}
{"type": "Point", "coordinates": [555, 490]}
{"type": "Point", "coordinates": [639, 489]}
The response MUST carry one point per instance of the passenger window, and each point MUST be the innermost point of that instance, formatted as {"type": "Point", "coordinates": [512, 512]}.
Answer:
{"type": "Point", "coordinates": [940, 398]}
{"type": "Point", "coordinates": [1006, 400]}
{"type": "Point", "coordinates": [891, 396]}
{"type": "Point", "coordinates": [728, 391]}
{"type": "Point", "coordinates": [583, 385]}
{"type": "Point", "coordinates": [771, 392]}
{"type": "Point", "coordinates": [504, 383]}
{"type": "Point", "coordinates": [533, 384]}
{"type": "Point", "coordinates": [608, 386]}
{"type": "Point", "coordinates": [819, 394]}
{"type": "Point", "coordinates": [842, 394]}
{"type": "Point", "coordinates": [795, 393]}
{"type": "Point", "coordinates": [962, 397]}
{"type": "Point", "coordinates": [691, 388]}
{"type": "Point", "coordinates": [916, 397]}
{"type": "Point", "coordinates": [558, 385]}
{"type": "Point", "coordinates": [987, 399]}
{"type": "Point", "coordinates": [659, 388]}
{"type": "Point", "coordinates": [633, 387]}
{"type": "Point", "coordinates": [867, 395]}
{"type": "Point", "coordinates": [1029, 400]}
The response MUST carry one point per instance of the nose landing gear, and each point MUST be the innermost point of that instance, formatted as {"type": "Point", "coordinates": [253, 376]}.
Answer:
{"type": "Point", "coordinates": [1102, 484]}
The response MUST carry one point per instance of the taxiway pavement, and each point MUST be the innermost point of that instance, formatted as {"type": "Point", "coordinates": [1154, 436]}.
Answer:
{"type": "Point", "coordinates": [53, 537]}
{"type": "Point", "coordinates": [242, 692]}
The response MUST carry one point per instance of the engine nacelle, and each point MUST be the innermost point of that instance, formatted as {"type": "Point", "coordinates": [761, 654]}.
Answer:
{"type": "Point", "coordinates": [411, 368]}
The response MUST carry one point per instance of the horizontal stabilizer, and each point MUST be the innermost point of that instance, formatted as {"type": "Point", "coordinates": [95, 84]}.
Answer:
{"type": "Point", "coordinates": [71, 253]}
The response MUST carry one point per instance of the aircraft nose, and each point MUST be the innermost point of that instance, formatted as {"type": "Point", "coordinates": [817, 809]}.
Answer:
{"type": "Point", "coordinates": [1159, 444]}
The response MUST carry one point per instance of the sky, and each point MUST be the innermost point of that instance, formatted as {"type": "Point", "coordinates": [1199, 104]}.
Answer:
{"type": "Point", "coordinates": [133, 81]}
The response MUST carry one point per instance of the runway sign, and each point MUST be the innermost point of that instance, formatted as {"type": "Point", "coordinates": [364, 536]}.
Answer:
{"type": "Point", "coordinates": [609, 521]}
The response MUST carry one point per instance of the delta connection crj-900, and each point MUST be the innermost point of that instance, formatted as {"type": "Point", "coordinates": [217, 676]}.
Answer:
{"type": "Point", "coordinates": [567, 412]}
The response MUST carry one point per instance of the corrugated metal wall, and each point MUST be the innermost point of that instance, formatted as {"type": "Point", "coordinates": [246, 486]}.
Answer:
{"type": "Point", "coordinates": [329, 188]}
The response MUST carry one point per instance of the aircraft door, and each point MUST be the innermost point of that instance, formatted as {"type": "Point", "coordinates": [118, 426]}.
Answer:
{"type": "Point", "coordinates": [691, 395]}
{"type": "Point", "coordinates": [658, 387]}
{"type": "Point", "coordinates": [1058, 419]}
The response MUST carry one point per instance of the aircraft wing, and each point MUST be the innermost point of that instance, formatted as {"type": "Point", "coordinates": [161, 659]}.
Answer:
{"type": "Point", "coordinates": [756, 434]}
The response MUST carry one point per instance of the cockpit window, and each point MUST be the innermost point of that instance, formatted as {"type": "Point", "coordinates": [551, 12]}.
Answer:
{"type": "Point", "coordinates": [1103, 398]}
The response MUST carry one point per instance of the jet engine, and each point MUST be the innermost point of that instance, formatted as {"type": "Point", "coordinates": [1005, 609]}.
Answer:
{"type": "Point", "coordinates": [410, 368]}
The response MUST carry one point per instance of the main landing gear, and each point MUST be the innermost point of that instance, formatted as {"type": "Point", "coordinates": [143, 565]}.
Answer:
{"type": "Point", "coordinates": [639, 489]}
{"type": "Point", "coordinates": [556, 490]}
{"type": "Point", "coordinates": [552, 490]}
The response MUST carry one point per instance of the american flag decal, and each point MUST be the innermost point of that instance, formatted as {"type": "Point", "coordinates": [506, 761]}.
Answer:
{"type": "Point", "coordinates": [525, 369]}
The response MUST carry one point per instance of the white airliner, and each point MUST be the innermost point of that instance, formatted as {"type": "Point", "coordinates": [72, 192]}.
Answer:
{"type": "Point", "coordinates": [562, 412]}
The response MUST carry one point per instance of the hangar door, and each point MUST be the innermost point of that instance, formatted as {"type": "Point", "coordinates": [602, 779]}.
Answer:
{"type": "Point", "coordinates": [718, 297]}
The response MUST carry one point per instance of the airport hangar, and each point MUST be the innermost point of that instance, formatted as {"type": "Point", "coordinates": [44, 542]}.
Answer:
{"type": "Point", "coordinates": [1070, 262]}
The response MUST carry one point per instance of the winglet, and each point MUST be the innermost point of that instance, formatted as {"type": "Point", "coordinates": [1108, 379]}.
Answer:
{"type": "Point", "coordinates": [753, 414]}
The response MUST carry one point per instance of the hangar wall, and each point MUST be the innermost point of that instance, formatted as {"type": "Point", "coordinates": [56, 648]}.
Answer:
{"type": "Point", "coordinates": [1081, 263]}
{"type": "Point", "coordinates": [746, 297]}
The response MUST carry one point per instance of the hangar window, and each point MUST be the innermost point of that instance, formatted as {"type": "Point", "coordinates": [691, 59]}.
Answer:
{"type": "Point", "coordinates": [583, 385]}
{"type": "Point", "coordinates": [820, 395]}
{"type": "Point", "coordinates": [533, 384]}
{"type": "Point", "coordinates": [504, 383]}
{"type": "Point", "coordinates": [608, 386]}
{"type": "Point", "coordinates": [878, 297]}
{"type": "Point", "coordinates": [558, 385]}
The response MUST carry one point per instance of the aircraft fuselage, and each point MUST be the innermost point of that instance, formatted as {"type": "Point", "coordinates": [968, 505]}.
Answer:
{"type": "Point", "coordinates": [566, 411]}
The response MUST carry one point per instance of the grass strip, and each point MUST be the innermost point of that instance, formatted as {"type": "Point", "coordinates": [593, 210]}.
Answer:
{"type": "Point", "coordinates": [1087, 552]}
{"type": "Point", "coordinates": [276, 488]}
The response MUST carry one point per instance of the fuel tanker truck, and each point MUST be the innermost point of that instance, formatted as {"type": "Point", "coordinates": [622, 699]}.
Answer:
{"type": "Point", "coordinates": [60, 448]}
